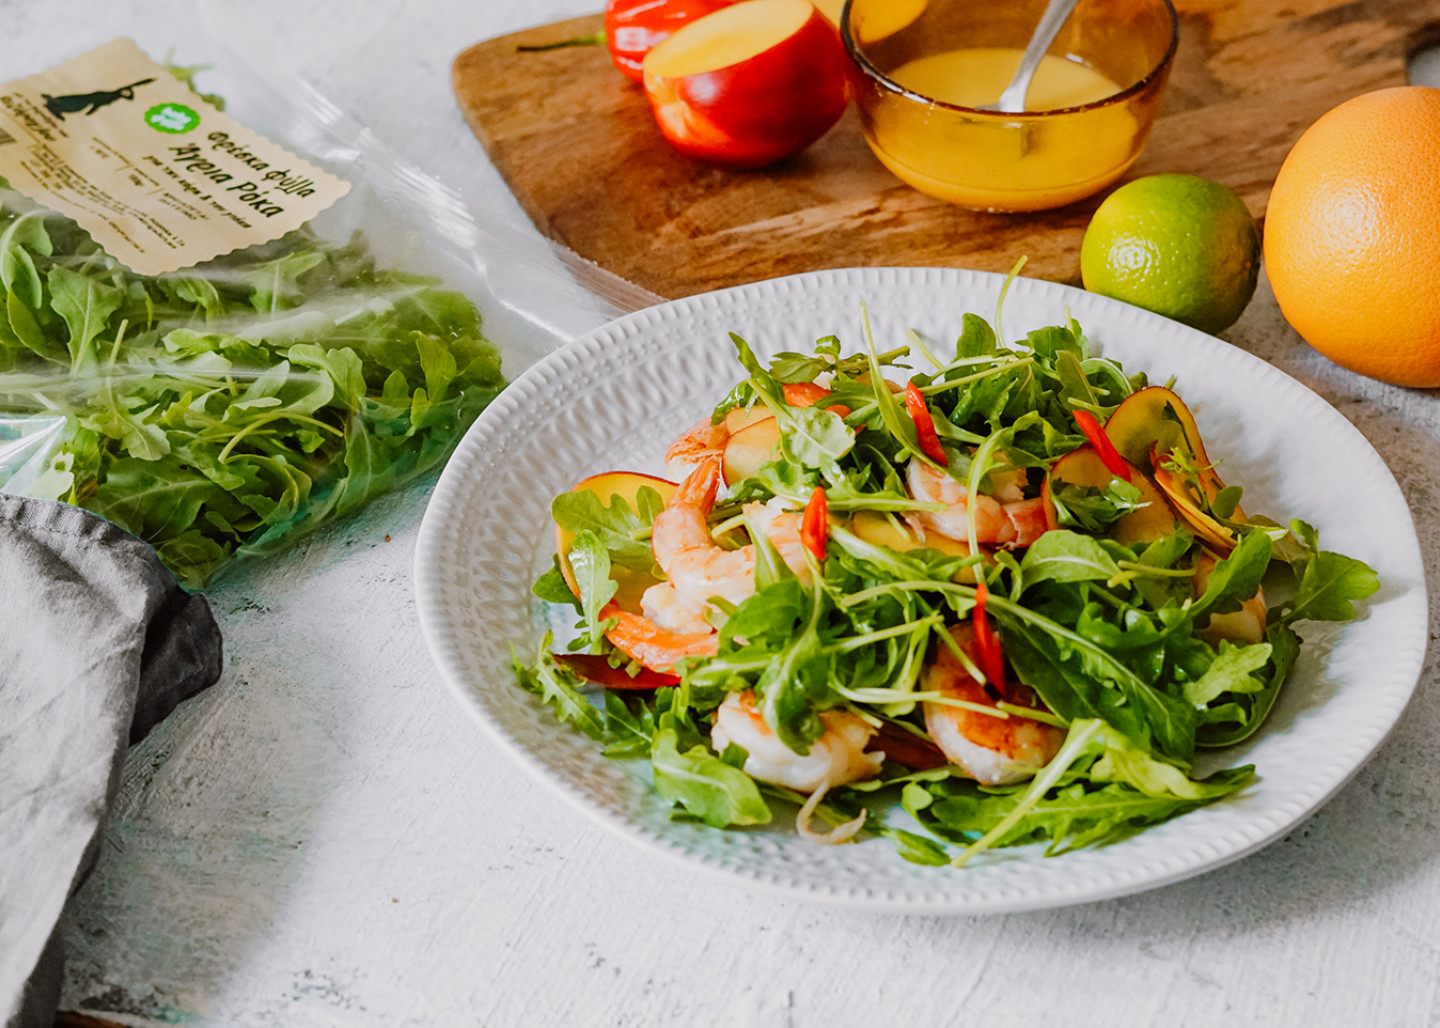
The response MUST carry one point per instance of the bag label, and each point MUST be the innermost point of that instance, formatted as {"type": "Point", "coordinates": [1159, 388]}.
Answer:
{"type": "Point", "coordinates": [160, 178]}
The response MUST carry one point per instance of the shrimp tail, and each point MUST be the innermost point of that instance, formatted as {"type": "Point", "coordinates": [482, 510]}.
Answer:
{"type": "Point", "coordinates": [656, 648]}
{"type": "Point", "coordinates": [700, 487]}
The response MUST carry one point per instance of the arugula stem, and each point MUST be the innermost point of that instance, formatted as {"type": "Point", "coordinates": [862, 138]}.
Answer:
{"type": "Point", "coordinates": [945, 385]}
{"type": "Point", "coordinates": [918, 342]}
{"type": "Point", "coordinates": [1154, 572]}
{"type": "Point", "coordinates": [887, 696]}
{"type": "Point", "coordinates": [1033, 714]}
{"type": "Point", "coordinates": [998, 602]}
{"type": "Point", "coordinates": [1000, 300]}
{"type": "Point", "coordinates": [1080, 735]}
{"type": "Point", "coordinates": [224, 455]}
{"type": "Point", "coordinates": [871, 501]}
{"type": "Point", "coordinates": [856, 642]}
{"type": "Point", "coordinates": [875, 592]}
{"type": "Point", "coordinates": [114, 350]}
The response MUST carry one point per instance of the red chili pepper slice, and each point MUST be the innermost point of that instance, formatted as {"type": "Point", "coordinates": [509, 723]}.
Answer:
{"type": "Point", "coordinates": [987, 643]}
{"type": "Point", "coordinates": [924, 425]}
{"type": "Point", "coordinates": [634, 27]}
{"type": "Point", "coordinates": [808, 394]}
{"type": "Point", "coordinates": [1109, 456]}
{"type": "Point", "coordinates": [815, 526]}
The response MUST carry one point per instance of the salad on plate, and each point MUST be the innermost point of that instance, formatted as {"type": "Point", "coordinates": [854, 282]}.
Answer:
{"type": "Point", "coordinates": [997, 595]}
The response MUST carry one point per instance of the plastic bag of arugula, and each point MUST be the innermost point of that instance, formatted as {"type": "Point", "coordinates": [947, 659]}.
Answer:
{"type": "Point", "coordinates": [228, 409]}
{"type": "Point", "coordinates": [1130, 622]}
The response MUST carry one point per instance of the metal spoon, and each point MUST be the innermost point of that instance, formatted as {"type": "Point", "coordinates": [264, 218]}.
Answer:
{"type": "Point", "coordinates": [1012, 101]}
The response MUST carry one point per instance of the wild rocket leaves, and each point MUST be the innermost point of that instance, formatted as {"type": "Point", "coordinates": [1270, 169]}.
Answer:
{"type": "Point", "coordinates": [233, 408]}
{"type": "Point", "coordinates": [1328, 582]}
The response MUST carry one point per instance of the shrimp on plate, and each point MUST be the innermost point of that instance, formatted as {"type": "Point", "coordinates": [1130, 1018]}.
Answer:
{"type": "Point", "coordinates": [696, 568]}
{"type": "Point", "coordinates": [991, 749]}
{"type": "Point", "coordinates": [673, 623]}
{"type": "Point", "coordinates": [1004, 517]}
{"type": "Point", "coordinates": [658, 649]}
{"type": "Point", "coordinates": [699, 443]}
{"type": "Point", "coordinates": [837, 757]}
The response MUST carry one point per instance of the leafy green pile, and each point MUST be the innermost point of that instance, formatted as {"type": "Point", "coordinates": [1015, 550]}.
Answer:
{"type": "Point", "coordinates": [234, 407]}
{"type": "Point", "coordinates": [1110, 637]}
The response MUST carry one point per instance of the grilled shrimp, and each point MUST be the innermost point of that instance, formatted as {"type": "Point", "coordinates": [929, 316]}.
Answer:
{"type": "Point", "coordinates": [837, 757]}
{"type": "Point", "coordinates": [1005, 517]}
{"type": "Point", "coordinates": [992, 750]}
{"type": "Point", "coordinates": [696, 568]}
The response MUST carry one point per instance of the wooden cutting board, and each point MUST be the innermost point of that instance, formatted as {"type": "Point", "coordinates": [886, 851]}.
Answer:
{"type": "Point", "coordinates": [576, 142]}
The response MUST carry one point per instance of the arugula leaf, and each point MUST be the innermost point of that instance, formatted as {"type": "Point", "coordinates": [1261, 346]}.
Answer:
{"type": "Point", "coordinates": [18, 274]}
{"type": "Point", "coordinates": [916, 849]}
{"type": "Point", "coordinates": [630, 732]}
{"type": "Point", "coordinates": [552, 587]}
{"type": "Point", "coordinates": [814, 436]}
{"type": "Point", "coordinates": [559, 687]}
{"type": "Point", "coordinates": [1234, 716]}
{"type": "Point", "coordinates": [1234, 579]}
{"type": "Point", "coordinates": [590, 562]}
{"type": "Point", "coordinates": [1064, 556]}
{"type": "Point", "coordinates": [706, 786]}
{"type": "Point", "coordinates": [86, 304]}
{"type": "Point", "coordinates": [1232, 671]}
{"type": "Point", "coordinates": [1328, 582]}
{"type": "Point", "coordinates": [615, 526]}
{"type": "Point", "coordinates": [1092, 510]}
{"type": "Point", "coordinates": [296, 377]}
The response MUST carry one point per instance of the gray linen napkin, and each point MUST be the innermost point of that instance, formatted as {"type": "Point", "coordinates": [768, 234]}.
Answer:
{"type": "Point", "coordinates": [97, 644]}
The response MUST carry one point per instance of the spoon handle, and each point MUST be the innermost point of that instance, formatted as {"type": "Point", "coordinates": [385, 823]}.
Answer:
{"type": "Point", "coordinates": [1012, 100]}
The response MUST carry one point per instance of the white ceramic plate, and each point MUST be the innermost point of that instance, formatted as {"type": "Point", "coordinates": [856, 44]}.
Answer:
{"type": "Point", "coordinates": [614, 398]}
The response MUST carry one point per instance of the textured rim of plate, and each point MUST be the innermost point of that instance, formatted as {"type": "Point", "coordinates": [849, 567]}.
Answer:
{"type": "Point", "coordinates": [1093, 878]}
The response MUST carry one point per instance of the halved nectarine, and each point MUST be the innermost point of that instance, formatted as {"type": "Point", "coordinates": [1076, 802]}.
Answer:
{"type": "Point", "coordinates": [749, 84]}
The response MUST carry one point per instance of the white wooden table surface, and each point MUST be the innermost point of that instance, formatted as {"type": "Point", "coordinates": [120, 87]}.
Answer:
{"type": "Point", "coordinates": [325, 838]}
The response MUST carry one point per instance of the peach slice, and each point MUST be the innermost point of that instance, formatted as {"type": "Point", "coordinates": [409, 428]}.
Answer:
{"type": "Point", "coordinates": [1139, 424]}
{"type": "Point", "coordinates": [1143, 434]}
{"type": "Point", "coordinates": [1085, 467]}
{"type": "Point", "coordinates": [876, 528]}
{"type": "Point", "coordinates": [749, 84]}
{"type": "Point", "coordinates": [609, 486]}
{"type": "Point", "coordinates": [747, 449]}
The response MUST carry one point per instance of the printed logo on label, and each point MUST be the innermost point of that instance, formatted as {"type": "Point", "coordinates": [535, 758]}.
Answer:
{"type": "Point", "coordinates": [89, 103]}
{"type": "Point", "coordinates": [172, 118]}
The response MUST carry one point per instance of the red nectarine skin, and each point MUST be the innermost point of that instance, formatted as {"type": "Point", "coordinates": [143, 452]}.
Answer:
{"type": "Point", "coordinates": [759, 110]}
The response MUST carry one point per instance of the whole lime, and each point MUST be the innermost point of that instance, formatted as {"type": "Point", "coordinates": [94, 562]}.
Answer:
{"type": "Point", "coordinates": [1178, 245]}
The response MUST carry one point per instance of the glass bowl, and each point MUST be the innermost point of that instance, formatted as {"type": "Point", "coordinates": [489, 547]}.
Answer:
{"type": "Point", "coordinates": [921, 82]}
